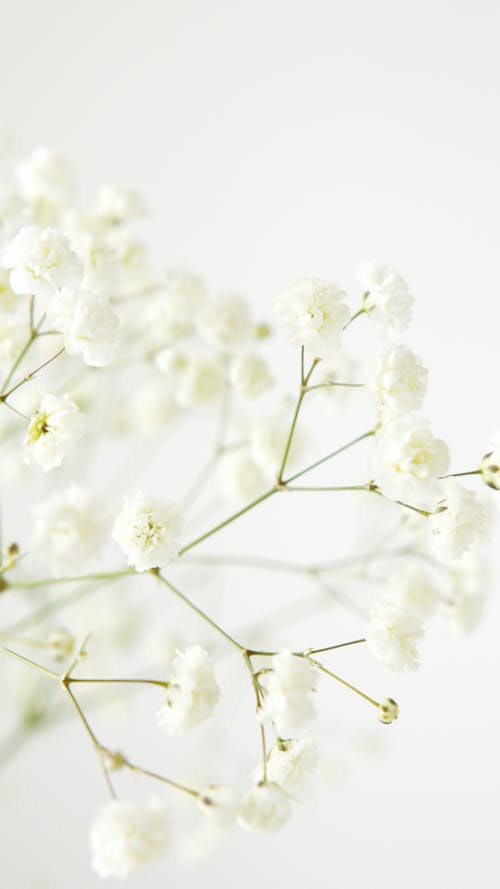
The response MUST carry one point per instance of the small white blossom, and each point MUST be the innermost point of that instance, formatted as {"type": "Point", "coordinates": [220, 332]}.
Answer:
{"type": "Point", "coordinates": [465, 603]}
{"type": "Point", "coordinates": [289, 761]}
{"type": "Point", "coordinates": [117, 205]}
{"type": "Point", "coordinates": [68, 530]}
{"type": "Point", "coordinates": [393, 636]}
{"type": "Point", "coordinates": [265, 807]}
{"type": "Point", "coordinates": [61, 644]}
{"type": "Point", "coordinates": [56, 426]}
{"type": "Point", "coordinates": [268, 441]}
{"type": "Point", "coordinates": [412, 587]}
{"type": "Point", "coordinates": [219, 804]}
{"type": "Point", "coordinates": [241, 477]}
{"type": "Point", "coordinates": [192, 692]}
{"type": "Point", "coordinates": [46, 183]}
{"type": "Point", "coordinates": [288, 689]}
{"type": "Point", "coordinates": [408, 457]}
{"type": "Point", "coordinates": [175, 309]}
{"type": "Point", "coordinates": [41, 262]}
{"type": "Point", "coordinates": [147, 531]}
{"type": "Point", "coordinates": [458, 524]}
{"type": "Point", "coordinates": [100, 264]}
{"type": "Point", "coordinates": [398, 380]}
{"type": "Point", "coordinates": [250, 375]}
{"type": "Point", "coordinates": [386, 297]}
{"type": "Point", "coordinates": [126, 836]}
{"type": "Point", "coordinates": [315, 313]}
{"type": "Point", "coordinates": [201, 381]}
{"type": "Point", "coordinates": [89, 325]}
{"type": "Point", "coordinates": [225, 322]}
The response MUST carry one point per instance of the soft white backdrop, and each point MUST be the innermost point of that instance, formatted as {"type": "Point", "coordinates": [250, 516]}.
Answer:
{"type": "Point", "coordinates": [276, 139]}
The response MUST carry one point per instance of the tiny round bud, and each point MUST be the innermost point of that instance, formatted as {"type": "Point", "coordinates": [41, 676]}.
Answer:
{"type": "Point", "coordinates": [262, 331]}
{"type": "Point", "coordinates": [61, 644]}
{"type": "Point", "coordinates": [113, 760]}
{"type": "Point", "coordinates": [490, 470]}
{"type": "Point", "coordinates": [388, 711]}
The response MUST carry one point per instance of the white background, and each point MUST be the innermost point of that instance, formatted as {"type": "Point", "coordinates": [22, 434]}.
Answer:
{"type": "Point", "coordinates": [272, 140]}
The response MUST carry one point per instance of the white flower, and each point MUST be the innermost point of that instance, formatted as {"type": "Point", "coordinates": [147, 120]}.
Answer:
{"type": "Point", "coordinates": [225, 323]}
{"type": "Point", "coordinates": [201, 382]}
{"type": "Point", "coordinates": [241, 477]}
{"type": "Point", "coordinates": [264, 807]}
{"type": "Point", "coordinates": [57, 424]}
{"type": "Point", "coordinates": [89, 325]}
{"type": "Point", "coordinates": [386, 297]}
{"type": "Point", "coordinates": [192, 692]}
{"type": "Point", "coordinates": [393, 636]}
{"type": "Point", "coordinates": [490, 463]}
{"type": "Point", "coordinates": [465, 605]}
{"type": "Point", "coordinates": [100, 264]}
{"type": "Point", "coordinates": [46, 182]}
{"type": "Point", "coordinates": [117, 205]}
{"type": "Point", "coordinates": [408, 457]}
{"type": "Point", "coordinates": [398, 379]}
{"type": "Point", "coordinates": [289, 760]}
{"type": "Point", "coordinates": [41, 262]}
{"type": "Point", "coordinates": [250, 375]}
{"type": "Point", "coordinates": [288, 689]}
{"type": "Point", "coordinates": [411, 587]}
{"type": "Point", "coordinates": [174, 312]}
{"type": "Point", "coordinates": [126, 835]}
{"type": "Point", "coordinates": [147, 530]}
{"type": "Point", "coordinates": [459, 522]}
{"type": "Point", "coordinates": [219, 804]}
{"type": "Point", "coordinates": [268, 441]}
{"type": "Point", "coordinates": [61, 644]}
{"type": "Point", "coordinates": [68, 530]}
{"type": "Point", "coordinates": [315, 313]}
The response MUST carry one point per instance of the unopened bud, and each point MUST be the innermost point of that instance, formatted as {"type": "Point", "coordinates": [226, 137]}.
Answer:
{"type": "Point", "coordinates": [388, 711]}
{"type": "Point", "coordinates": [490, 470]}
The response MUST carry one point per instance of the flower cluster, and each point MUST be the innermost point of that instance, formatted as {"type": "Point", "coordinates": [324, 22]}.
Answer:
{"type": "Point", "coordinates": [97, 349]}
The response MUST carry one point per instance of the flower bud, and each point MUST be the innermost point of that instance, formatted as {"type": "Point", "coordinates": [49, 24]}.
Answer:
{"type": "Point", "coordinates": [113, 760]}
{"type": "Point", "coordinates": [61, 644]}
{"type": "Point", "coordinates": [388, 711]}
{"type": "Point", "coordinates": [490, 470]}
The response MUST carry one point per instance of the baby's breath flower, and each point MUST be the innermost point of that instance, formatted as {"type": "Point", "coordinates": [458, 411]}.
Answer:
{"type": "Point", "coordinates": [192, 692]}
{"type": "Point", "coordinates": [490, 464]}
{"type": "Point", "coordinates": [57, 424]}
{"type": "Point", "coordinates": [265, 807]}
{"type": "Point", "coordinates": [315, 313]}
{"type": "Point", "coordinates": [250, 375]}
{"type": "Point", "coordinates": [117, 205]}
{"type": "Point", "coordinates": [288, 688]}
{"type": "Point", "coordinates": [174, 310]}
{"type": "Point", "coordinates": [386, 297]}
{"type": "Point", "coordinates": [225, 323]}
{"type": "Point", "coordinates": [408, 457]}
{"type": "Point", "coordinates": [201, 382]}
{"type": "Point", "coordinates": [61, 644]}
{"type": "Point", "coordinates": [241, 477]}
{"type": "Point", "coordinates": [412, 587]}
{"type": "Point", "coordinates": [459, 522]}
{"type": "Point", "coordinates": [393, 636]}
{"type": "Point", "coordinates": [388, 711]}
{"type": "Point", "coordinates": [68, 529]}
{"type": "Point", "coordinates": [398, 380]}
{"type": "Point", "coordinates": [289, 761]}
{"type": "Point", "coordinates": [125, 836]}
{"type": "Point", "coordinates": [100, 263]}
{"type": "Point", "coordinates": [147, 531]}
{"type": "Point", "coordinates": [41, 262]}
{"type": "Point", "coordinates": [89, 325]}
{"type": "Point", "coordinates": [219, 804]}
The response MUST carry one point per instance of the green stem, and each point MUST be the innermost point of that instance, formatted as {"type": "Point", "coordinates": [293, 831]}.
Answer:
{"type": "Point", "coordinates": [197, 610]}
{"type": "Point", "coordinates": [298, 405]}
{"type": "Point", "coordinates": [343, 682]}
{"type": "Point", "coordinates": [329, 456]}
{"type": "Point", "coordinates": [228, 521]}
{"type": "Point", "coordinates": [27, 660]}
